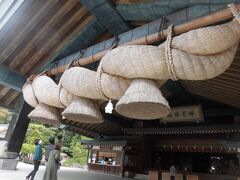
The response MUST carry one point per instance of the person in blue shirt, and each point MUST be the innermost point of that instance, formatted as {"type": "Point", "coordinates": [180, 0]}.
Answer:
{"type": "Point", "coordinates": [37, 157]}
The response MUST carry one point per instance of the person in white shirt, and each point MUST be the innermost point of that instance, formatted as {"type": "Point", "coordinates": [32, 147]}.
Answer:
{"type": "Point", "coordinates": [172, 172]}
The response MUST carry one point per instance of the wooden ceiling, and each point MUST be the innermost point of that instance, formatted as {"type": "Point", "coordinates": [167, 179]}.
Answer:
{"type": "Point", "coordinates": [39, 31]}
{"type": "Point", "coordinates": [91, 130]}
{"type": "Point", "coordinates": [224, 88]}
{"type": "Point", "coordinates": [35, 33]}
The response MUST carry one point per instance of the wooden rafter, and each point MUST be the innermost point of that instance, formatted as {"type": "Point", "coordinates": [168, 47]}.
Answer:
{"type": "Point", "coordinates": [10, 98]}
{"type": "Point", "coordinates": [14, 44]}
{"type": "Point", "coordinates": [43, 33]}
{"type": "Point", "coordinates": [4, 91]}
{"type": "Point", "coordinates": [70, 33]}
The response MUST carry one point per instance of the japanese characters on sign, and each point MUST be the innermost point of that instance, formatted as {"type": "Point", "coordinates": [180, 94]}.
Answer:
{"type": "Point", "coordinates": [184, 114]}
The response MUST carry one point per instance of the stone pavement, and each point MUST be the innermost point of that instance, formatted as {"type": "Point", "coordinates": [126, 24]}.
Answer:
{"type": "Point", "coordinates": [63, 174]}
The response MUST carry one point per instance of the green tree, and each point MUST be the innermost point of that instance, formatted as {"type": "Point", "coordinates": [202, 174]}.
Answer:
{"type": "Point", "coordinates": [70, 142]}
{"type": "Point", "coordinates": [27, 148]}
{"type": "Point", "coordinates": [5, 116]}
{"type": "Point", "coordinates": [38, 131]}
{"type": "Point", "coordinates": [79, 151]}
{"type": "Point", "coordinates": [34, 132]}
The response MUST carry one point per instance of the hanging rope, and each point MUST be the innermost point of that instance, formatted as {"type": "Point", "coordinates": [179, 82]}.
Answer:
{"type": "Point", "coordinates": [109, 107]}
{"type": "Point", "coordinates": [100, 69]}
{"type": "Point", "coordinates": [60, 84]}
{"type": "Point", "coordinates": [98, 79]}
{"type": "Point", "coordinates": [161, 28]}
{"type": "Point", "coordinates": [168, 54]}
{"type": "Point", "coordinates": [235, 12]}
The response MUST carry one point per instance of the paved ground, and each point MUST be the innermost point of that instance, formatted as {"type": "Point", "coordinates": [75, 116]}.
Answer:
{"type": "Point", "coordinates": [63, 174]}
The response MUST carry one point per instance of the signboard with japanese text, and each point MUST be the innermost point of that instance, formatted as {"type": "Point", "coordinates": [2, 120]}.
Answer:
{"type": "Point", "coordinates": [184, 114]}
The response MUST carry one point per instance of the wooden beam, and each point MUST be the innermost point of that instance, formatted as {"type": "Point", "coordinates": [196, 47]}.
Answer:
{"type": "Point", "coordinates": [11, 98]}
{"type": "Point", "coordinates": [152, 38]}
{"type": "Point", "coordinates": [211, 86]}
{"type": "Point", "coordinates": [42, 34]}
{"type": "Point", "coordinates": [4, 91]}
{"type": "Point", "coordinates": [11, 79]}
{"type": "Point", "coordinates": [82, 132]}
{"type": "Point", "coordinates": [73, 17]}
{"type": "Point", "coordinates": [106, 14]}
{"type": "Point", "coordinates": [217, 96]}
{"type": "Point", "coordinates": [112, 118]}
{"type": "Point", "coordinates": [20, 129]}
{"type": "Point", "coordinates": [83, 129]}
{"type": "Point", "coordinates": [64, 38]}
{"type": "Point", "coordinates": [17, 22]}
{"type": "Point", "coordinates": [10, 109]}
{"type": "Point", "coordinates": [22, 36]}
{"type": "Point", "coordinates": [139, 23]}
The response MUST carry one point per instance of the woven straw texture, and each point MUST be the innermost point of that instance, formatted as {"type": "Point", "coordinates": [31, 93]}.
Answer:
{"type": "Point", "coordinates": [82, 82]}
{"type": "Point", "coordinates": [29, 96]}
{"type": "Point", "coordinates": [194, 67]}
{"type": "Point", "coordinates": [142, 61]}
{"type": "Point", "coordinates": [143, 100]}
{"type": "Point", "coordinates": [208, 40]}
{"type": "Point", "coordinates": [148, 62]}
{"type": "Point", "coordinates": [45, 114]}
{"type": "Point", "coordinates": [66, 97]}
{"type": "Point", "coordinates": [83, 110]}
{"type": "Point", "coordinates": [47, 91]}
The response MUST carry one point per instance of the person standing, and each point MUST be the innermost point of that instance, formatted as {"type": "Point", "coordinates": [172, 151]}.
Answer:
{"type": "Point", "coordinates": [172, 172]}
{"type": "Point", "coordinates": [37, 157]}
{"type": "Point", "coordinates": [49, 148]}
{"type": "Point", "coordinates": [53, 164]}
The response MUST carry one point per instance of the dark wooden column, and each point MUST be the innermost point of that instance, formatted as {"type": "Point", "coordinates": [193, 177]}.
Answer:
{"type": "Point", "coordinates": [14, 118]}
{"type": "Point", "coordinates": [18, 129]}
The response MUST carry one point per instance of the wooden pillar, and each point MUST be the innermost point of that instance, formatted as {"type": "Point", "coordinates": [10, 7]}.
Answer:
{"type": "Point", "coordinates": [14, 119]}
{"type": "Point", "coordinates": [19, 130]}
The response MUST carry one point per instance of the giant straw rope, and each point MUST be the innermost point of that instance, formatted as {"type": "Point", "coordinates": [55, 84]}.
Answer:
{"type": "Point", "coordinates": [133, 75]}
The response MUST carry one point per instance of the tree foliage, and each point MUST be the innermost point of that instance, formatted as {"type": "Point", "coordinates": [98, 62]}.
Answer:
{"type": "Point", "coordinates": [70, 142]}
{"type": "Point", "coordinates": [38, 131]}
{"type": "Point", "coordinates": [27, 148]}
{"type": "Point", "coordinates": [5, 116]}
{"type": "Point", "coordinates": [79, 152]}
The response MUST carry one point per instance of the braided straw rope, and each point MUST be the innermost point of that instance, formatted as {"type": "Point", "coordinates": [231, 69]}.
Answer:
{"type": "Point", "coordinates": [60, 85]}
{"type": "Point", "coordinates": [198, 55]}
{"type": "Point", "coordinates": [235, 12]}
{"type": "Point", "coordinates": [29, 95]}
{"type": "Point", "coordinates": [47, 91]}
{"type": "Point", "coordinates": [98, 79]}
{"type": "Point", "coordinates": [168, 55]}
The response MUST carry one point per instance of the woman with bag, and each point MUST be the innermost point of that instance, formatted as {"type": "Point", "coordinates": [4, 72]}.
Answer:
{"type": "Point", "coordinates": [53, 164]}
